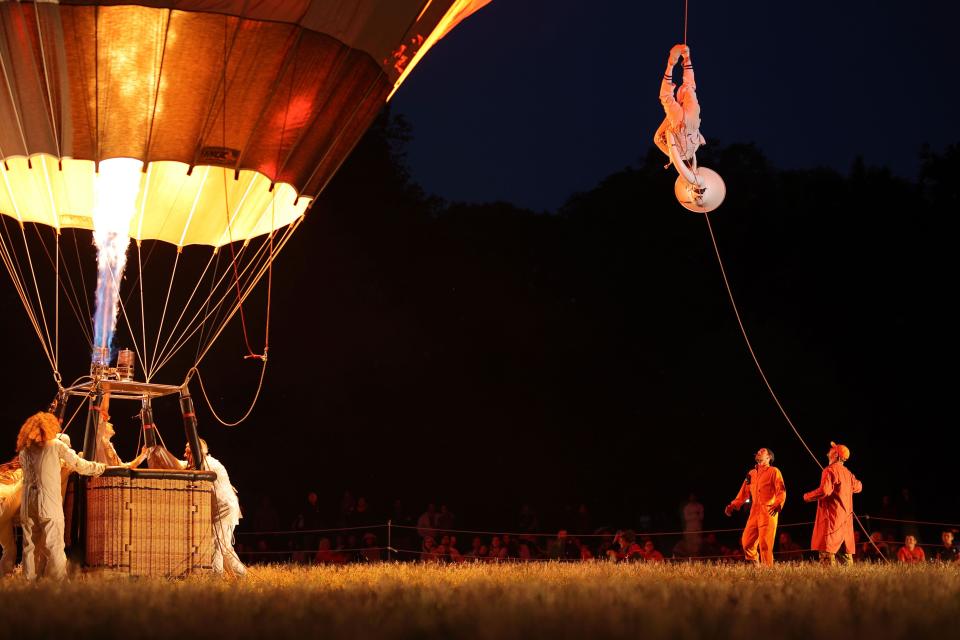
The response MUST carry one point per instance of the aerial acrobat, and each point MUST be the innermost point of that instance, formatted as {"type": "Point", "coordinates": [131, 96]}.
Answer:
{"type": "Point", "coordinates": [698, 189]}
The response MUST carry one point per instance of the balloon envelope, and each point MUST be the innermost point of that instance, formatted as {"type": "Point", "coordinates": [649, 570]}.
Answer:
{"type": "Point", "coordinates": [240, 112]}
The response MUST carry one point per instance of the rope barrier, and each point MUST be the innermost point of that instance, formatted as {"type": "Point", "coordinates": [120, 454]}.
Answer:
{"type": "Point", "coordinates": [587, 535]}
{"type": "Point", "coordinates": [299, 531]}
{"type": "Point", "coordinates": [640, 534]}
{"type": "Point", "coordinates": [528, 534]}
{"type": "Point", "coordinates": [932, 524]}
{"type": "Point", "coordinates": [314, 551]}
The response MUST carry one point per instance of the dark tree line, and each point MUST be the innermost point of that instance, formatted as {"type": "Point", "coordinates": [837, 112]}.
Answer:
{"type": "Point", "coordinates": [478, 351]}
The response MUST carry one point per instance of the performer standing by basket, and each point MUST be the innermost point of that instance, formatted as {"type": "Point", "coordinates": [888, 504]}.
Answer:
{"type": "Point", "coordinates": [226, 515]}
{"type": "Point", "coordinates": [41, 511]}
{"type": "Point", "coordinates": [765, 490]}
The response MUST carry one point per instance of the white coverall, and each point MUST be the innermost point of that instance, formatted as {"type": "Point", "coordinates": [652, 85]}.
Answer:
{"type": "Point", "coordinates": [683, 116]}
{"type": "Point", "coordinates": [9, 508]}
{"type": "Point", "coordinates": [226, 516]}
{"type": "Point", "coordinates": [41, 508]}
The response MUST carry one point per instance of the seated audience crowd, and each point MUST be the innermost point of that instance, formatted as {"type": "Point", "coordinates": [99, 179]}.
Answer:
{"type": "Point", "coordinates": [361, 536]}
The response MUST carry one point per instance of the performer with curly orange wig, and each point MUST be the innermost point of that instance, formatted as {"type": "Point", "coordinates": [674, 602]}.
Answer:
{"type": "Point", "coordinates": [41, 454]}
{"type": "Point", "coordinates": [833, 529]}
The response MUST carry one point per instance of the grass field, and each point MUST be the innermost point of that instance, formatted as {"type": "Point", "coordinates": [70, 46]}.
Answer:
{"type": "Point", "coordinates": [589, 600]}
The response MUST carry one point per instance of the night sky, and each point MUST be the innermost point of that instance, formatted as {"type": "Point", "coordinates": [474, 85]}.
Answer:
{"type": "Point", "coordinates": [530, 102]}
{"type": "Point", "coordinates": [557, 351]}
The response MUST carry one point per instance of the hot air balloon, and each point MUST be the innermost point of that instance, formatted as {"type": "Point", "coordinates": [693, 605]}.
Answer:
{"type": "Point", "coordinates": [185, 135]}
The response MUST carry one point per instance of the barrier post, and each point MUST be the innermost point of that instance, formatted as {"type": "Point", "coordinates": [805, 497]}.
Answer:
{"type": "Point", "coordinates": [389, 540]}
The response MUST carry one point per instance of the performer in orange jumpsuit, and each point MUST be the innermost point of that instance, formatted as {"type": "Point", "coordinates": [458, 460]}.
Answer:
{"type": "Point", "coordinates": [833, 529]}
{"type": "Point", "coordinates": [764, 488]}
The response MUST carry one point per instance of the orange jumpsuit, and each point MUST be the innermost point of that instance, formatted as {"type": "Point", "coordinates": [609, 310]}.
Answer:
{"type": "Point", "coordinates": [833, 528]}
{"type": "Point", "coordinates": [765, 489]}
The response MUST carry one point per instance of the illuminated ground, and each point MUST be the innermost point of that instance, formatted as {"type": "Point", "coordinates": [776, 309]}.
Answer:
{"type": "Point", "coordinates": [593, 600]}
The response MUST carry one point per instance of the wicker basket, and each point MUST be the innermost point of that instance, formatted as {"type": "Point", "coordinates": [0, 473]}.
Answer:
{"type": "Point", "coordinates": [150, 522]}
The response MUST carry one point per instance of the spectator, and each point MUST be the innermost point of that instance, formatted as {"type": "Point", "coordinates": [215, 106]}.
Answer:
{"type": "Point", "coordinates": [650, 553]}
{"type": "Point", "coordinates": [441, 552]}
{"type": "Point", "coordinates": [511, 545]}
{"type": "Point", "coordinates": [476, 548]}
{"type": "Point", "coordinates": [428, 548]}
{"type": "Point", "coordinates": [906, 509]}
{"type": "Point", "coordinates": [369, 552]}
{"type": "Point", "coordinates": [948, 551]}
{"type": "Point", "coordinates": [733, 555]}
{"type": "Point", "coordinates": [583, 519]}
{"type": "Point", "coordinates": [626, 549]}
{"type": "Point", "coordinates": [562, 547]}
{"type": "Point", "coordinates": [347, 507]}
{"type": "Point", "coordinates": [497, 550]}
{"type": "Point", "coordinates": [888, 516]}
{"type": "Point", "coordinates": [309, 519]}
{"type": "Point", "coordinates": [528, 548]}
{"type": "Point", "coordinates": [585, 553]}
{"type": "Point", "coordinates": [265, 518]}
{"type": "Point", "coordinates": [528, 521]}
{"type": "Point", "coordinates": [683, 549]}
{"type": "Point", "coordinates": [325, 555]}
{"type": "Point", "coordinates": [606, 543]}
{"type": "Point", "coordinates": [910, 553]}
{"type": "Point", "coordinates": [454, 553]}
{"type": "Point", "coordinates": [445, 519]}
{"type": "Point", "coordinates": [710, 549]}
{"type": "Point", "coordinates": [399, 515]}
{"type": "Point", "coordinates": [693, 524]}
{"type": "Point", "coordinates": [263, 553]}
{"type": "Point", "coordinates": [404, 533]}
{"type": "Point", "coordinates": [875, 549]}
{"type": "Point", "coordinates": [790, 551]}
{"type": "Point", "coordinates": [362, 516]}
{"type": "Point", "coordinates": [427, 523]}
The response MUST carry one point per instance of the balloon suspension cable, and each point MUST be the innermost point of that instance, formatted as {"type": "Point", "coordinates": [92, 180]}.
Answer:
{"type": "Point", "coordinates": [686, 7]}
{"type": "Point", "coordinates": [203, 390]}
{"type": "Point", "coordinates": [233, 257]}
{"type": "Point", "coordinates": [763, 375]}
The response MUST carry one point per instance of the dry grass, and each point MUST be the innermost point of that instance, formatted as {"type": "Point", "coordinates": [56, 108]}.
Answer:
{"type": "Point", "coordinates": [592, 600]}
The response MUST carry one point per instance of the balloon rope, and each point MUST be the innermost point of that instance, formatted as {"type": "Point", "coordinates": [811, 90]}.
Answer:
{"type": "Point", "coordinates": [686, 7]}
{"type": "Point", "coordinates": [763, 376]}
{"type": "Point", "coordinates": [226, 197]}
{"type": "Point", "coordinates": [746, 339]}
{"type": "Point", "coordinates": [253, 403]}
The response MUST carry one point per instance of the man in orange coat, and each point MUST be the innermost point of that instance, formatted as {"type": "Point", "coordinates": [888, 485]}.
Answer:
{"type": "Point", "coordinates": [764, 488]}
{"type": "Point", "coordinates": [833, 529]}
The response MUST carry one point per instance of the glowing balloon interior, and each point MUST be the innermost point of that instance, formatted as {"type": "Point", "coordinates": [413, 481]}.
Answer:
{"type": "Point", "coordinates": [208, 126]}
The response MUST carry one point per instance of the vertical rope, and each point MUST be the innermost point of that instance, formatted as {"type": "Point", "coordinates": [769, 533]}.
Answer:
{"type": "Point", "coordinates": [746, 339]}
{"type": "Point", "coordinates": [686, 7]}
